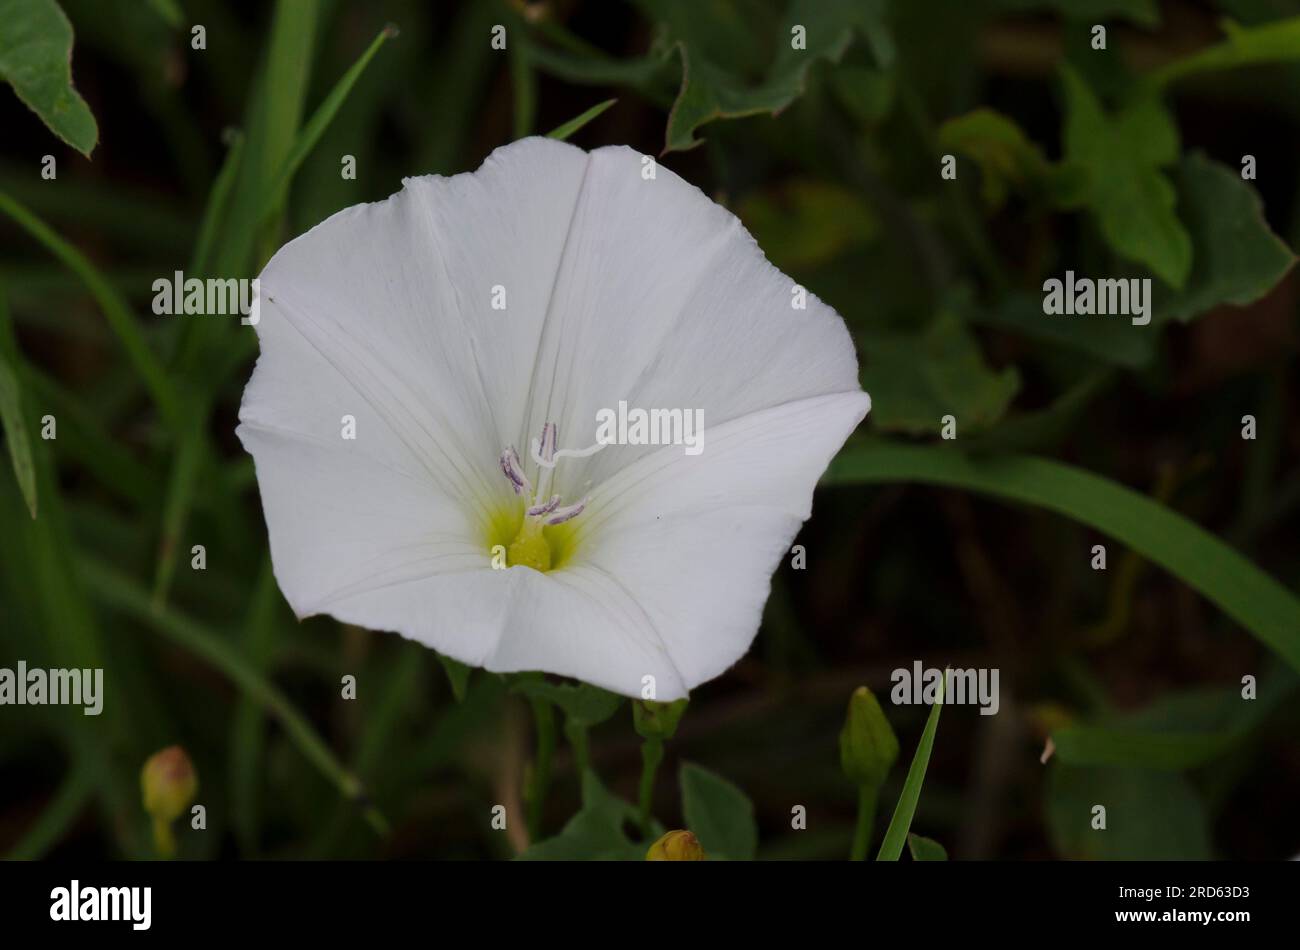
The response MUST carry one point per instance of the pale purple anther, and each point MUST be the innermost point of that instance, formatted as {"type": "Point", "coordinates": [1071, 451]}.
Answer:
{"type": "Point", "coordinates": [514, 471]}
{"type": "Point", "coordinates": [538, 510]}
{"type": "Point", "coordinates": [561, 515]}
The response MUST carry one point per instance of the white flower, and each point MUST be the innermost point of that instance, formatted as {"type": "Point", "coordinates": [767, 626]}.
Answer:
{"type": "Point", "coordinates": [645, 561]}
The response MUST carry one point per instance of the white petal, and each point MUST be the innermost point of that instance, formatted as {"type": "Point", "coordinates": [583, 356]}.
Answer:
{"type": "Point", "coordinates": [664, 300]}
{"type": "Point", "coordinates": [384, 312]}
{"type": "Point", "coordinates": [694, 539]}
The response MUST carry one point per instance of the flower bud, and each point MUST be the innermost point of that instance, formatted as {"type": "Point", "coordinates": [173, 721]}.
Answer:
{"type": "Point", "coordinates": [168, 783]}
{"type": "Point", "coordinates": [657, 720]}
{"type": "Point", "coordinates": [868, 746]}
{"type": "Point", "coordinates": [676, 846]}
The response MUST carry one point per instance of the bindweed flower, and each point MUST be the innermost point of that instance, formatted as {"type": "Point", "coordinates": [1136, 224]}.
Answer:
{"type": "Point", "coordinates": [425, 412]}
{"type": "Point", "coordinates": [676, 846]}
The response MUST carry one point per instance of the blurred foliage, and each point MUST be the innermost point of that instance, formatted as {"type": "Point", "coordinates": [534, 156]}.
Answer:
{"type": "Point", "coordinates": [1122, 161]}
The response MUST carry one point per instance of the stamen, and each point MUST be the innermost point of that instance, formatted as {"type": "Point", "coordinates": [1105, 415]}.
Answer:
{"type": "Point", "coordinates": [549, 435]}
{"type": "Point", "coordinates": [538, 510]}
{"type": "Point", "coordinates": [514, 471]}
{"type": "Point", "coordinates": [562, 515]}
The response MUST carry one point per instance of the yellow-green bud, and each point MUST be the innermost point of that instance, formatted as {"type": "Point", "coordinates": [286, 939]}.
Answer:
{"type": "Point", "coordinates": [657, 720]}
{"type": "Point", "coordinates": [676, 846]}
{"type": "Point", "coordinates": [868, 746]}
{"type": "Point", "coordinates": [168, 783]}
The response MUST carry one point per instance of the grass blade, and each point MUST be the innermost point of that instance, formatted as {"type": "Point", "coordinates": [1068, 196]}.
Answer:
{"type": "Point", "coordinates": [564, 131]}
{"type": "Point", "coordinates": [14, 425]}
{"type": "Point", "coordinates": [896, 834]}
{"type": "Point", "coordinates": [1244, 592]}
{"type": "Point", "coordinates": [321, 118]}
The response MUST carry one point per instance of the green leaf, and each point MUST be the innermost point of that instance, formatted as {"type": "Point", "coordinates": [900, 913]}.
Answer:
{"type": "Point", "coordinates": [1244, 592]}
{"type": "Point", "coordinates": [596, 833]}
{"type": "Point", "coordinates": [916, 379]}
{"type": "Point", "coordinates": [1149, 815]}
{"type": "Point", "coordinates": [719, 814]}
{"type": "Point", "coordinates": [1238, 257]}
{"type": "Point", "coordinates": [457, 675]}
{"type": "Point", "coordinates": [562, 132]}
{"type": "Point", "coordinates": [926, 849]}
{"type": "Point", "coordinates": [891, 848]}
{"type": "Point", "coordinates": [582, 703]}
{"type": "Point", "coordinates": [1276, 42]}
{"type": "Point", "coordinates": [711, 90]}
{"type": "Point", "coordinates": [1131, 199]}
{"type": "Point", "coordinates": [16, 435]}
{"type": "Point", "coordinates": [36, 59]}
{"type": "Point", "coordinates": [1008, 160]}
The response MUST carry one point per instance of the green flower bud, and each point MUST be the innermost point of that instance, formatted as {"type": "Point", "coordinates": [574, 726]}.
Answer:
{"type": "Point", "coordinates": [168, 783]}
{"type": "Point", "coordinates": [657, 720]}
{"type": "Point", "coordinates": [868, 746]}
{"type": "Point", "coordinates": [676, 846]}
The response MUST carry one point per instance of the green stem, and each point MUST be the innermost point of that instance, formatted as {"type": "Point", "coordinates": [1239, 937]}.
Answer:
{"type": "Point", "coordinates": [867, 797]}
{"type": "Point", "coordinates": [576, 733]}
{"type": "Point", "coordinates": [652, 753]}
{"type": "Point", "coordinates": [540, 779]}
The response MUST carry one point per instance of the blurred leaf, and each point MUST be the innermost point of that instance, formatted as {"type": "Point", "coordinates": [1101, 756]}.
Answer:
{"type": "Point", "coordinates": [1149, 815]}
{"type": "Point", "coordinates": [1238, 257]}
{"type": "Point", "coordinates": [583, 703]}
{"type": "Point", "coordinates": [867, 92]}
{"type": "Point", "coordinates": [1130, 197]}
{"type": "Point", "coordinates": [17, 438]}
{"type": "Point", "coordinates": [595, 833]}
{"type": "Point", "coordinates": [1007, 160]}
{"type": "Point", "coordinates": [1239, 588]}
{"type": "Point", "coordinates": [711, 91]}
{"type": "Point", "coordinates": [562, 132]}
{"type": "Point", "coordinates": [916, 379]}
{"type": "Point", "coordinates": [806, 222]}
{"type": "Point", "coordinates": [170, 11]}
{"type": "Point", "coordinates": [926, 849]}
{"type": "Point", "coordinates": [1143, 12]}
{"type": "Point", "coordinates": [719, 814]}
{"type": "Point", "coordinates": [115, 308]}
{"type": "Point", "coordinates": [1177, 732]}
{"type": "Point", "coordinates": [36, 59]}
{"type": "Point", "coordinates": [891, 848]}
{"type": "Point", "coordinates": [457, 675]}
{"type": "Point", "coordinates": [1276, 42]}
{"type": "Point", "coordinates": [1111, 339]}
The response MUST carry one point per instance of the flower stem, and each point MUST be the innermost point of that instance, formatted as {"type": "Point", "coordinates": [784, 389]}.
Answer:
{"type": "Point", "coordinates": [867, 796]}
{"type": "Point", "coordinates": [652, 753]}
{"type": "Point", "coordinates": [540, 779]}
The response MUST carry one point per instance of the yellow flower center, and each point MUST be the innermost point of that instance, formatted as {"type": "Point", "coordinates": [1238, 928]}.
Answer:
{"type": "Point", "coordinates": [530, 547]}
